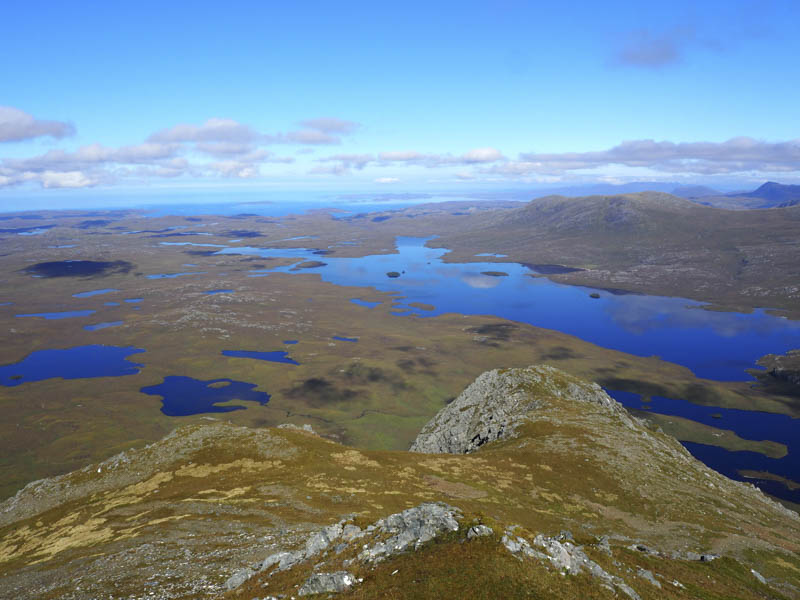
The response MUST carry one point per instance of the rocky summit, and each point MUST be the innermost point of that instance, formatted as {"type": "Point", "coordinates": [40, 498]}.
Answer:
{"type": "Point", "coordinates": [497, 403]}
{"type": "Point", "coordinates": [531, 484]}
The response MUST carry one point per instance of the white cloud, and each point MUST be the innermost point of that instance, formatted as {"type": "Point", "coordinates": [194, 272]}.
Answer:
{"type": "Point", "coordinates": [331, 125]}
{"type": "Point", "coordinates": [737, 155]}
{"type": "Point", "coordinates": [404, 156]}
{"type": "Point", "coordinates": [332, 170]}
{"type": "Point", "coordinates": [94, 154]}
{"type": "Point", "coordinates": [224, 148]}
{"type": "Point", "coordinates": [17, 125]}
{"type": "Point", "coordinates": [228, 131]}
{"type": "Point", "coordinates": [213, 130]}
{"type": "Point", "coordinates": [408, 157]}
{"type": "Point", "coordinates": [477, 155]}
{"type": "Point", "coordinates": [386, 180]}
{"type": "Point", "coordinates": [64, 179]}
{"type": "Point", "coordinates": [238, 149]}
{"type": "Point", "coordinates": [482, 155]}
{"type": "Point", "coordinates": [234, 168]}
{"type": "Point", "coordinates": [310, 136]}
{"type": "Point", "coordinates": [345, 163]}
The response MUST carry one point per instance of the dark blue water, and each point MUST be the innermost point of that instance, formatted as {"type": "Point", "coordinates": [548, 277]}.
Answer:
{"type": "Point", "coordinates": [110, 303]}
{"type": "Point", "coordinates": [71, 363]}
{"type": "Point", "coordinates": [214, 292]}
{"type": "Point", "coordinates": [289, 341]}
{"type": "Point", "coordinates": [345, 339]}
{"type": "Point", "coordinates": [750, 425]}
{"type": "Point", "coordinates": [278, 356]}
{"type": "Point", "coordinates": [133, 300]}
{"type": "Point", "coordinates": [69, 314]}
{"type": "Point", "coordinates": [730, 463]}
{"type": "Point", "coordinates": [182, 396]}
{"type": "Point", "coordinates": [364, 302]}
{"type": "Point", "coordinates": [102, 325]}
{"type": "Point", "coordinates": [714, 345]}
{"type": "Point", "coordinates": [94, 293]}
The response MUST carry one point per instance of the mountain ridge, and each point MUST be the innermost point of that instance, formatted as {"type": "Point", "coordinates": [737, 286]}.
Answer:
{"type": "Point", "coordinates": [180, 517]}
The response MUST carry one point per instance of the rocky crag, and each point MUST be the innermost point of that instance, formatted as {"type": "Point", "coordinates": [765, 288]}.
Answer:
{"type": "Point", "coordinates": [497, 403]}
{"type": "Point", "coordinates": [531, 484]}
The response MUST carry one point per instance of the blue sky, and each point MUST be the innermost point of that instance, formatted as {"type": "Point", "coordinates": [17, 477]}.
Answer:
{"type": "Point", "coordinates": [153, 96]}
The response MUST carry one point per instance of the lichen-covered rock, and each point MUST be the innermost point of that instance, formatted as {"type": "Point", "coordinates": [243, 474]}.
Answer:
{"type": "Point", "coordinates": [479, 531]}
{"type": "Point", "coordinates": [321, 583]}
{"type": "Point", "coordinates": [496, 403]}
{"type": "Point", "coordinates": [391, 535]}
{"type": "Point", "coordinates": [323, 538]}
{"type": "Point", "coordinates": [411, 528]}
{"type": "Point", "coordinates": [569, 558]}
{"type": "Point", "coordinates": [564, 556]}
{"type": "Point", "coordinates": [648, 576]}
{"type": "Point", "coordinates": [238, 578]}
{"type": "Point", "coordinates": [519, 546]}
{"type": "Point", "coordinates": [350, 532]}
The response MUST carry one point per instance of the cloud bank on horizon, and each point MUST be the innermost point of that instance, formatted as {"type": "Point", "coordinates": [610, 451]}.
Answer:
{"type": "Point", "coordinates": [501, 94]}
{"type": "Point", "coordinates": [229, 149]}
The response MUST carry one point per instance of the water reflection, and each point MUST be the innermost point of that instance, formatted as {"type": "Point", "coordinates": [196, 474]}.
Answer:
{"type": "Point", "coordinates": [713, 345]}
{"type": "Point", "coordinates": [478, 280]}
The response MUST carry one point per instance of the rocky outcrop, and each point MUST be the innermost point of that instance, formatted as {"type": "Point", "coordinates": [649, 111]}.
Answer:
{"type": "Point", "coordinates": [411, 529]}
{"type": "Point", "coordinates": [496, 403]}
{"type": "Point", "coordinates": [332, 571]}
{"type": "Point", "coordinates": [180, 518]}
{"type": "Point", "coordinates": [566, 557]}
{"type": "Point", "coordinates": [406, 530]}
{"type": "Point", "coordinates": [320, 583]}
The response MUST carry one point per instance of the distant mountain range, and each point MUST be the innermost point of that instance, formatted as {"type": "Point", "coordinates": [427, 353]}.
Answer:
{"type": "Point", "coordinates": [768, 195]}
{"type": "Point", "coordinates": [650, 242]}
{"type": "Point", "coordinates": [600, 189]}
{"type": "Point", "coordinates": [774, 195]}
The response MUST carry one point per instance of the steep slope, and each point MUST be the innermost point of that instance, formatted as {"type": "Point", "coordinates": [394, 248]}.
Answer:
{"type": "Point", "coordinates": [580, 487]}
{"type": "Point", "coordinates": [497, 403]}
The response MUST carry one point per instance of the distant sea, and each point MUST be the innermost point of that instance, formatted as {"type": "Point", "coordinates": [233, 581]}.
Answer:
{"type": "Point", "coordinates": [262, 203]}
